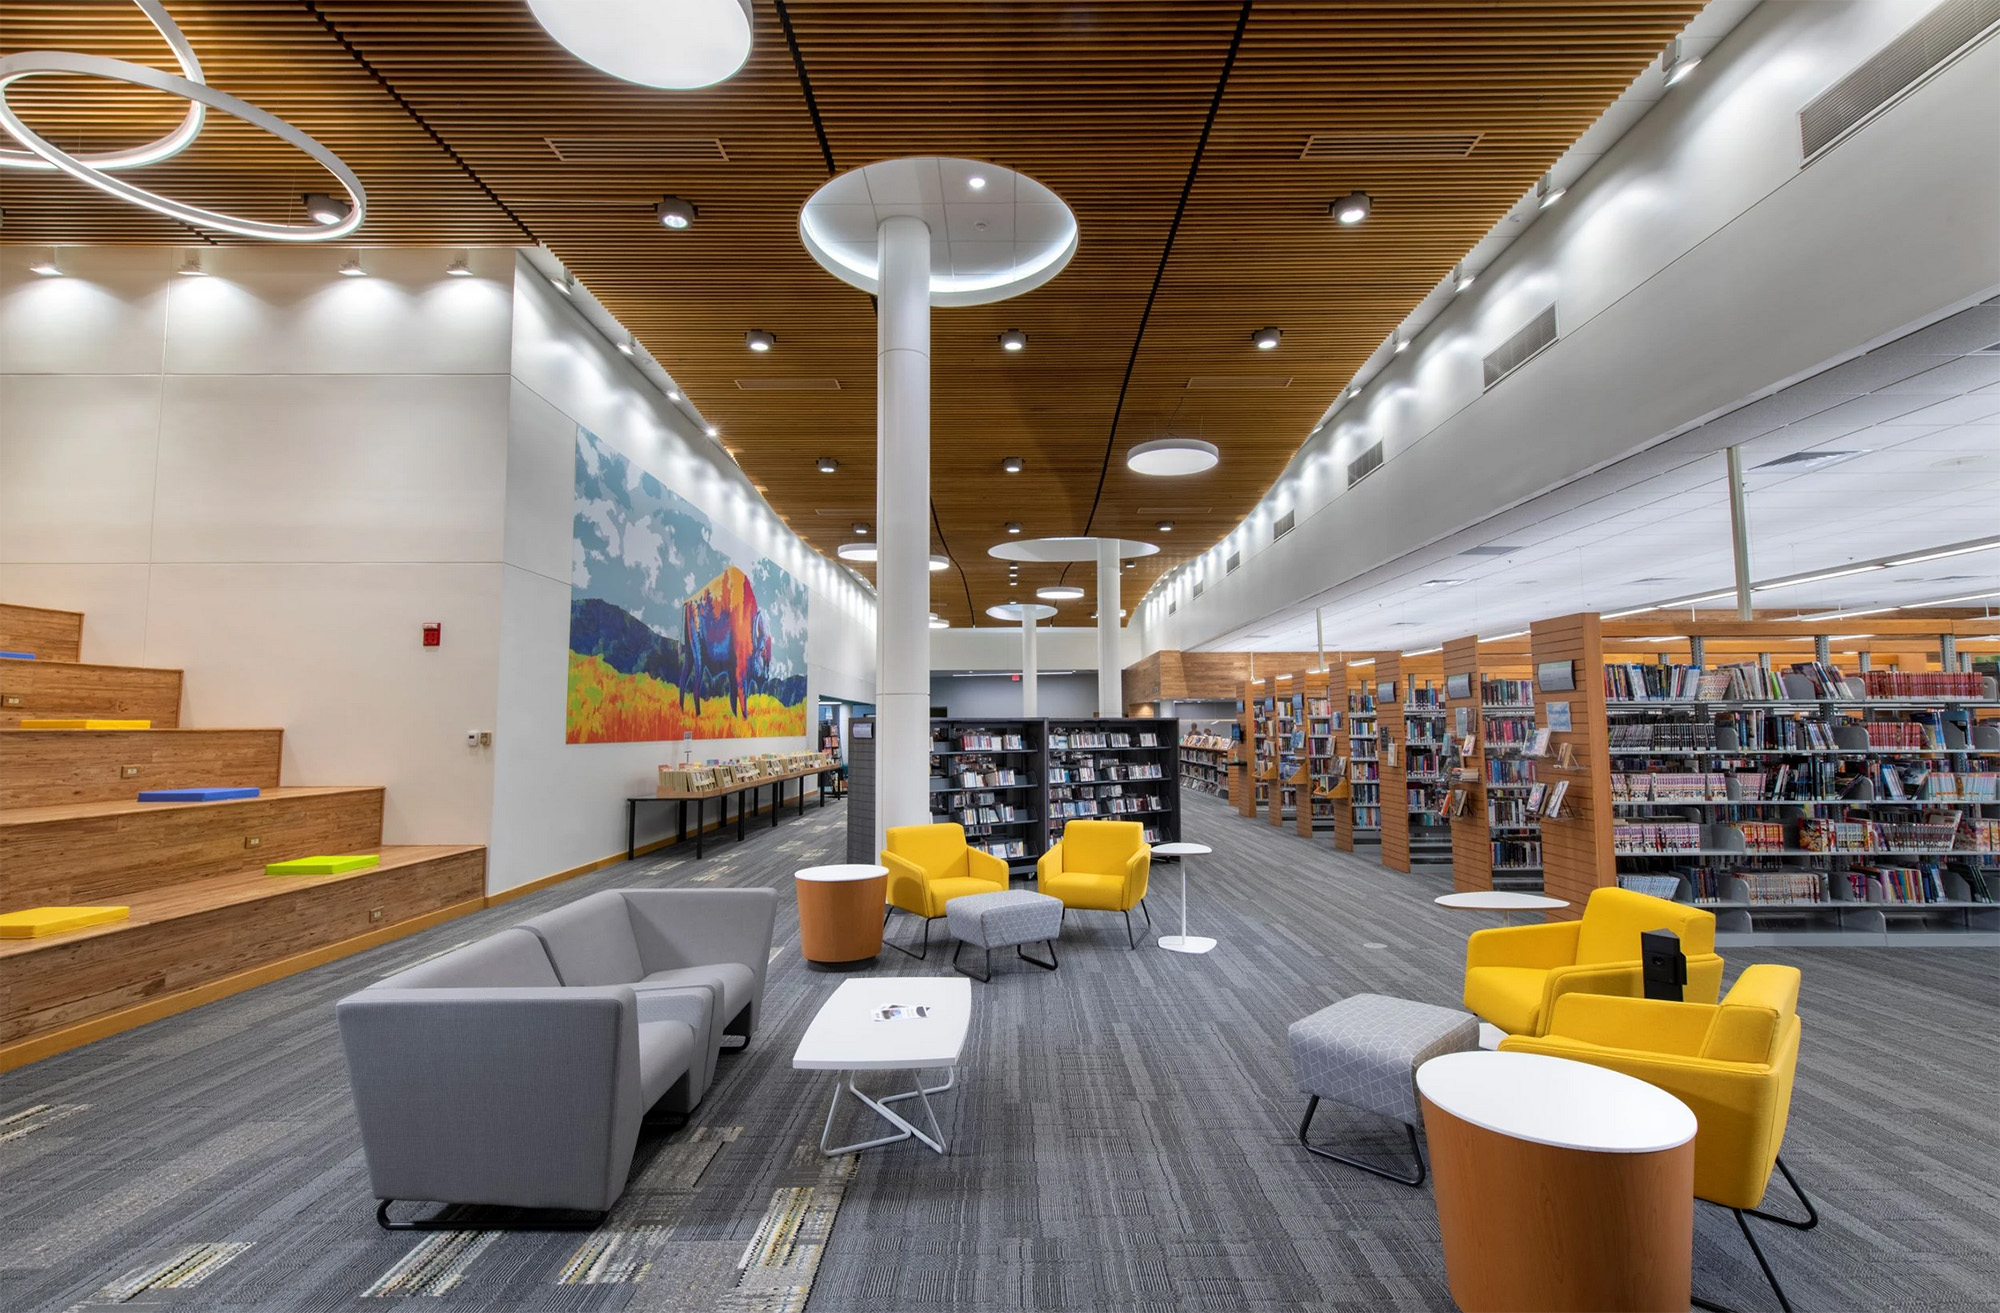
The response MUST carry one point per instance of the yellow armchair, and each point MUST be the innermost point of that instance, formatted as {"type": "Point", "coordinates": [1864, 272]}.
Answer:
{"type": "Point", "coordinates": [1099, 866]}
{"type": "Point", "coordinates": [929, 865]}
{"type": "Point", "coordinates": [1732, 1063]}
{"type": "Point", "coordinates": [1515, 975]}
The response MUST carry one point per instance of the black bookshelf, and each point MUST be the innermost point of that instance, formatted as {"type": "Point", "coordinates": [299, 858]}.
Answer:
{"type": "Point", "coordinates": [1114, 769]}
{"type": "Point", "coordinates": [991, 777]}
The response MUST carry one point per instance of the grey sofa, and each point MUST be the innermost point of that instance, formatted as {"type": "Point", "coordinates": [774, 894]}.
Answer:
{"type": "Point", "coordinates": [515, 1070]}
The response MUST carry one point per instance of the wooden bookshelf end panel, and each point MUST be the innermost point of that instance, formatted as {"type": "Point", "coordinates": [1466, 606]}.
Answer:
{"type": "Point", "coordinates": [49, 635]}
{"type": "Point", "coordinates": [1576, 848]}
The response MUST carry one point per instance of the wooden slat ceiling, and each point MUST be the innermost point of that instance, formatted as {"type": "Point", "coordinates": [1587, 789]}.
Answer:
{"type": "Point", "coordinates": [446, 108]}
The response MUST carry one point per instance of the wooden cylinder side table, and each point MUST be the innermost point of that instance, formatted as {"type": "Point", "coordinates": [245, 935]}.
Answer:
{"type": "Point", "coordinates": [1560, 1186]}
{"type": "Point", "coordinates": [840, 914]}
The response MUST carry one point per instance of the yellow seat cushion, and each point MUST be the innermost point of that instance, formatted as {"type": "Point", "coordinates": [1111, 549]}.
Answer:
{"type": "Point", "coordinates": [1085, 891]}
{"type": "Point", "coordinates": [38, 921]}
{"type": "Point", "coordinates": [957, 886]}
{"type": "Point", "coordinates": [1509, 997]}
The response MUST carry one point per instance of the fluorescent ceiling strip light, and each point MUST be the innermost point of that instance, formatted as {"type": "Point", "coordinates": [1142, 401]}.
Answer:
{"type": "Point", "coordinates": [1940, 554]}
{"type": "Point", "coordinates": [1425, 651]}
{"type": "Point", "coordinates": [1821, 577]}
{"type": "Point", "coordinates": [1664, 606]}
{"type": "Point", "coordinates": [1906, 606]}
{"type": "Point", "coordinates": [1518, 633]}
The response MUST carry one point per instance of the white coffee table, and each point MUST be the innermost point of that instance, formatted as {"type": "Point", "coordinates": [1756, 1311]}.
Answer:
{"type": "Point", "coordinates": [1184, 942]}
{"type": "Point", "coordinates": [1501, 901]}
{"type": "Point", "coordinates": [846, 1038]}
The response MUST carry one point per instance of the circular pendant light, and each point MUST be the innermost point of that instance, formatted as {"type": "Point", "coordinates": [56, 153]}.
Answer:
{"type": "Point", "coordinates": [939, 563]}
{"type": "Point", "coordinates": [678, 45]}
{"type": "Point", "coordinates": [859, 553]}
{"type": "Point", "coordinates": [1060, 593]}
{"type": "Point", "coordinates": [1165, 457]}
{"type": "Point", "coordinates": [152, 152]}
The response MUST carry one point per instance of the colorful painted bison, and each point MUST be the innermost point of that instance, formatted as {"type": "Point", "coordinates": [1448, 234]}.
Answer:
{"type": "Point", "coordinates": [725, 643]}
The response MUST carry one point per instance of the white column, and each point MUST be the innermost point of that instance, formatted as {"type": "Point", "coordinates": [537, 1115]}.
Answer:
{"type": "Point", "coordinates": [903, 526]}
{"type": "Point", "coordinates": [1739, 532]}
{"type": "Point", "coordinates": [1110, 672]}
{"type": "Point", "coordinates": [1029, 694]}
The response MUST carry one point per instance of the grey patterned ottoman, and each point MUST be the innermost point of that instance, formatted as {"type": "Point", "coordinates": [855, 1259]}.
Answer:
{"type": "Point", "coordinates": [1004, 920]}
{"type": "Point", "coordinates": [1364, 1052]}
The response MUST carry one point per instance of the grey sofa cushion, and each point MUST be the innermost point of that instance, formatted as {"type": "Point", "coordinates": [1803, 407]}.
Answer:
{"type": "Point", "coordinates": [681, 928]}
{"type": "Point", "coordinates": [1364, 1051]}
{"type": "Point", "coordinates": [590, 941]}
{"type": "Point", "coordinates": [732, 982]}
{"type": "Point", "coordinates": [666, 1052]}
{"type": "Point", "coordinates": [512, 959]}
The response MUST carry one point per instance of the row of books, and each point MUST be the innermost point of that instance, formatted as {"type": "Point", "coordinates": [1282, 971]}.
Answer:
{"type": "Point", "coordinates": [1009, 849]}
{"type": "Point", "coordinates": [1897, 884]}
{"type": "Point", "coordinates": [1929, 835]}
{"type": "Point", "coordinates": [1764, 729]}
{"type": "Point", "coordinates": [1903, 734]}
{"type": "Point", "coordinates": [1760, 836]}
{"type": "Point", "coordinates": [1205, 743]}
{"type": "Point", "coordinates": [1704, 787]}
{"type": "Point", "coordinates": [988, 743]}
{"type": "Point", "coordinates": [1962, 786]}
{"type": "Point", "coordinates": [1665, 736]}
{"type": "Point", "coordinates": [1367, 817]}
{"type": "Point", "coordinates": [1647, 837]}
{"type": "Point", "coordinates": [1101, 739]}
{"type": "Point", "coordinates": [973, 779]}
{"type": "Point", "coordinates": [1106, 771]}
{"type": "Point", "coordinates": [1510, 770]}
{"type": "Point", "coordinates": [1517, 854]}
{"type": "Point", "coordinates": [1512, 732]}
{"type": "Point", "coordinates": [1120, 806]}
{"type": "Point", "coordinates": [951, 802]}
{"type": "Point", "coordinates": [991, 815]}
{"type": "Point", "coordinates": [1428, 698]}
{"type": "Point", "coordinates": [1634, 682]}
{"type": "Point", "coordinates": [1495, 694]}
{"type": "Point", "coordinates": [1922, 684]}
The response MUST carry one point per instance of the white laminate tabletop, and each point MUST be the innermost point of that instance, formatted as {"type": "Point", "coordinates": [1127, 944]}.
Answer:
{"type": "Point", "coordinates": [835, 873]}
{"type": "Point", "coordinates": [1181, 850]}
{"type": "Point", "coordinates": [845, 1036]}
{"type": "Point", "coordinates": [1500, 900]}
{"type": "Point", "coordinates": [1553, 1101]}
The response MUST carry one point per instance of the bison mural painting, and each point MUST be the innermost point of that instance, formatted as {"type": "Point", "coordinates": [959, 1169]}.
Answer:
{"type": "Point", "coordinates": [675, 627]}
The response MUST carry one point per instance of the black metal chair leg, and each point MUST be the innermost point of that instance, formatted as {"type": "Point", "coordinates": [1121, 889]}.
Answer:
{"type": "Point", "coordinates": [1757, 1249]}
{"type": "Point", "coordinates": [922, 955]}
{"type": "Point", "coordinates": [962, 971]}
{"type": "Point", "coordinates": [1149, 915]}
{"type": "Point", "coordinates": [1416, 1153]}
{"type": "Point", "coordinates": [1130, 942]}
{"type": "Point", "coordinates": [1812, 1214]}
{"type": "Point", "coordinates": [1743, 1216]}
{"type": "Point", "coordinates": [1050, 965]}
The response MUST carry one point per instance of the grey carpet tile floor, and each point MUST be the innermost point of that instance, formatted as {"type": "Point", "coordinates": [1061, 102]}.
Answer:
{"type": "Point", "coordinates": [1121, 1138]}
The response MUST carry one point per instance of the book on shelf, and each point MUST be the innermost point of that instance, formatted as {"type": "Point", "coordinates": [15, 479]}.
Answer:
{"type": "Point", "coordinates": [1553, 804]}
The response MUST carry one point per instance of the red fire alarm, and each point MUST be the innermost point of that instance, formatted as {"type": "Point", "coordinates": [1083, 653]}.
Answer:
{"type": "Point", "coordinates": [433, 634]}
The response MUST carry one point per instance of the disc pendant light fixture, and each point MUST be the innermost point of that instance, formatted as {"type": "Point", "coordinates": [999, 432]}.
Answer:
{"type": "Point", "coordinates": [677, 45]}
{"type": "Point", "coordinates": [1166, 457]}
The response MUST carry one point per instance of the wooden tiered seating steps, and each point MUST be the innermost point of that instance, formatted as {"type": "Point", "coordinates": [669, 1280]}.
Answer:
{"type": "Point", "coordinates": [206, 920]}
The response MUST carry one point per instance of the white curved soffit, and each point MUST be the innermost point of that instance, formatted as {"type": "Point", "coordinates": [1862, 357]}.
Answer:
{"type": "Point", "coordinates": [676, 45]}
{"type": "Point", "coordinates": [1020, 612]}
{"type": "Point", "coordinates": [1066, 550]}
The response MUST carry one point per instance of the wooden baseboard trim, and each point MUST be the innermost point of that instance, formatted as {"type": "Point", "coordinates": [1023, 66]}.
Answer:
{"type": "Point", "coordinates": [23, 1052]}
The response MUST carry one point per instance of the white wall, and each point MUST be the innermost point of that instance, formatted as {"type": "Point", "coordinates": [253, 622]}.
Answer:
{"type": "Point", "coordinates": [1697, 265]}
{"type": "Point", "coordinates": [272, 477]}
{"type": "Point", "coordinates": [560, 805]}
{"type": "Point", "coordinates": [998, 647]}
{"type": "Point", "coordinates": [1000, 696]}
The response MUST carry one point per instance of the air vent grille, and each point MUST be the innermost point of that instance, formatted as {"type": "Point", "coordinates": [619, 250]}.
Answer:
{"type": "Point", "coordinates": [1234, 563]}
{"type": "Point", "coordinates": [1894, 69]}
{"type": "Point", "coordinates": [1283, 525]}
{"type": "Point", "coordinates": [1364, 465]}
{"type": "Point", "coordinates": [1172, 607]}
{"type": "Point", "coordinates": [1492, 549]}
{"type": "Point", "coordinates": [1198, 586]}
{"type": "Point", "coordinates": [788, 384]}
{"type": "Point", "coordinates": [1517, 350]}
{"type": "Point", "coordinates": [638, 150]}
{"type": "Point", "coordinates": [1808, 457]}
{"type": "Point", "coordinates": [1344, 147]}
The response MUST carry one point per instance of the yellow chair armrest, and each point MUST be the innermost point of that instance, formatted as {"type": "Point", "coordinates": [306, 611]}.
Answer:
{"type": "Point", "coordinates": [909, 884]}
{"type": "Point", "coordinates": [1137, 869]}
{"type": "Point", "coordinates": [1620, 979]}
{"type": "Point", "coordinates": [985, 866]}
{"type": "Point", "coordinates": [1050, 862]}
{"type": "Point", "coordinates": [1543, 947]}
{"type": "Point", "coordinates": [1640, 1024]}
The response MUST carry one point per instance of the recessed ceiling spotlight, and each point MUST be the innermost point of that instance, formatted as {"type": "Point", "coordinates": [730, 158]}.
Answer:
{"type": "Point", "coordinates": [1131, 565]}
{"type": "Point", "coordinates": [566, 284]}
{"type": "Point", "coordinates": [353, 269]}
{"type": "Point", "coordinates": [46, 266]}
{"type": "Point", "coordinates": [459, 268]}
{"type": "Point", "coordinates": [1461, 278]}
{"type": "Point", "coordinates": [712, 431]}
{"type": "Point", "coordinates": [1402, 344]}
{"type": "Point", "coordinates": [628, 347]}
{"type": "Point", "coordinates": [1547, 193]}
{"type": "Point", "coordinates": [191, 266]}
{"type": "Point", "coordinates": [1267, 339]}
{"type": "Point", "coordinates": [1166, 526]}
{"type": "Point", "coordinates": [1060, 593]}
{"type": "Point", "coordinates": [676, 213]}
{"type": "Point", "coordinates": [828, 464]}
{"type": "Point", "coordinates": [759, 340]}
{"type": "Point", "coordinates": [1013, 526]}
{"type": "Point", "coordinates": [1351, 208]}
{"type": "Point", "coordinates": [1011, 464]}
{"type": "Point", "coordinates": [939, 563]}
{"type": "Point", "coordinates": [673, 394]}
{"type": "Point", "coordinates": [322, 208]}
{"type": "Point", "coordinates": [1167, 457]}
{"type": "Point", "coordinates": [1013, 340]}
{"type": "Point", "coordinates": [1677, 65]}
{"type": "Point", "coordinates": [679, 46]}
{"type": "Point", "coordinates": [860, 528]}
{"type": "Point", "coordinates": [976, 182]}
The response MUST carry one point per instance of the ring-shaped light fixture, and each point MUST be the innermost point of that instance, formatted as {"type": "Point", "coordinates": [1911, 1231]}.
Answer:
{"type": "Point", "coordinates": [32, 63]}
{"type": "Point", "coordinates": [1060, 593]}
{"type": "Point", "coordinates": [165, 148]}
{"type": "Point", "coordinates": [1167, 457]}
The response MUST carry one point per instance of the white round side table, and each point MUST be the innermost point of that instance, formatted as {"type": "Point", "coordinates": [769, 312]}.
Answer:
{"type": "Point", "coordinates": [1502, 901]}
{"type": "Point", "coordinates": [1184, 942]}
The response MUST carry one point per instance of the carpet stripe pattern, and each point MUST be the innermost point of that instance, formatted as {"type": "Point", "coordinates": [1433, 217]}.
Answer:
{"type": "Point", "coordinates": [1121, 1134]}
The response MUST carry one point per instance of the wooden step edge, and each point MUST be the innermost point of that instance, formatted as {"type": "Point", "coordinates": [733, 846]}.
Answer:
{"type": "Point", "coordinates": [22, 1052]}
{"type": "Point", "coordinates": [166, 903]}
{"type": "Point", "coordinates": [6, 730]}
{"type": "Point", "coordinates": [92, 665]}
{"type": "Point", "coordinates": [62, 812]}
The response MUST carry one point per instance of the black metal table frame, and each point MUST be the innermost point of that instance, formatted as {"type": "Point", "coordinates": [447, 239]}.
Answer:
{"type": "Point", "coordinates": [754, 788]}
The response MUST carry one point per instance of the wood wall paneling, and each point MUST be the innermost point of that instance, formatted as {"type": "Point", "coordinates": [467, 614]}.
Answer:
{"type": "Point", "coordinates": [50, 767]}
{"type": "Point", "coordinates": [58, 689]}
{"type": "Point", "coordinates": [49, 635]}
{"type": "Point", "coordinates": [1337, 686]}
{"type": "Point", "coordinates": [1389, 666]}
{"type": "Point", "coordinates": [1576, 851]}
{"type": "Point", "coordinates": [1471, 842]}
